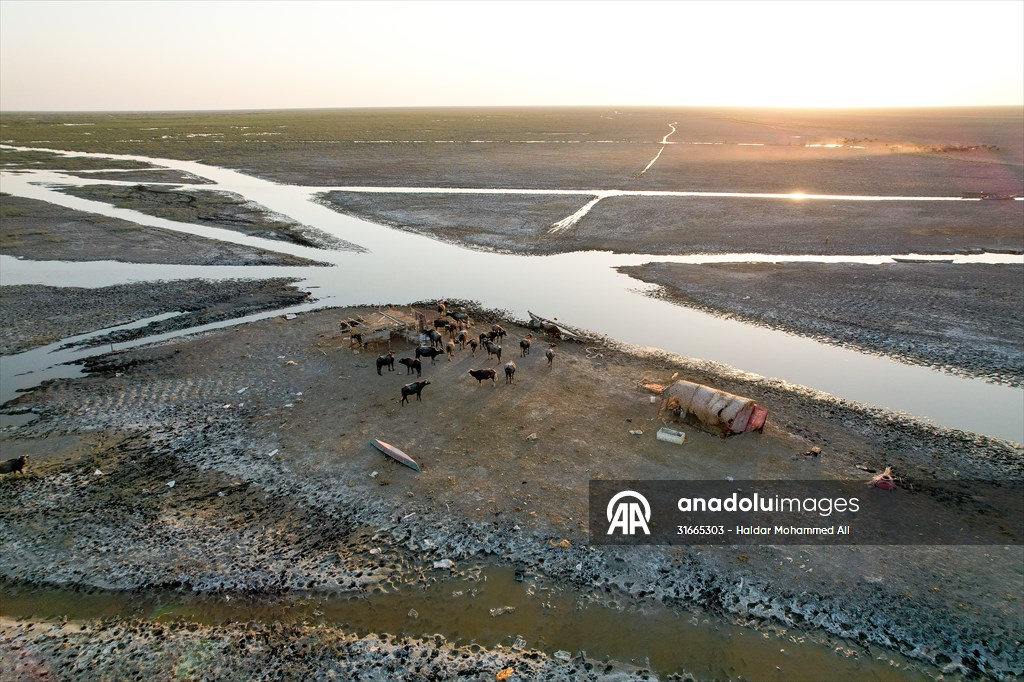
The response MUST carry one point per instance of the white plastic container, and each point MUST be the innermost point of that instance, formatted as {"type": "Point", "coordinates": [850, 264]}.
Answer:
{"type": "Point", "coordinates": [671, 435]}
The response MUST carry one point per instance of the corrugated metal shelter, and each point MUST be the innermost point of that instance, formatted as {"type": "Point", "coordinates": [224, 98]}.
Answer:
{"type": "Point", "coordinates": [725, 412]}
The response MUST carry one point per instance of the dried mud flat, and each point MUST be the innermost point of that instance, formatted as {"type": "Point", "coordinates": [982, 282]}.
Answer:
{"type": "Point", "coordinates": [264, 430]}
{"type": "Point", "coordinates": [962, 318]}
{"type": "Point", "coordinates": [38, 230]}
{"type": "Point", "coordinates": [36, 315]}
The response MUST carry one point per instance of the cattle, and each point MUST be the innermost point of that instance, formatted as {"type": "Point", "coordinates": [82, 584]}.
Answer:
{"type": "Point", "coordinates": [510, 371]}
{"type": "Point", "coordinates": [388, 360]}
{"type": "Point", "coordinates": [450, 350]}
{"type": "Point", "coordinates": [497, 332]}
{"type": "Point", "coordinates": [550, 355]}
{"type": "Point", "coordinates": [474, 344]}
{"type": "Point", "coordinates": [415, 388]}
{"type": "Point", "coordinates": [459, 317]}
{"type": "Point", "coordinates": [423, 352]}
{"type": "Point", "coordinates": [552, 330]}
{"type": "Point", "coordinates": [16, 465]}
{"type": "Point", "coordinates": [411, 365]}
{"type": "Point", "coordinates": [525, 344]}
{"type": "Point", "coordinates": [481, 374]}
{"type": "Point", "coordinates": [493, 349]}
{"type": "Point", "coordinates": [435, 338]}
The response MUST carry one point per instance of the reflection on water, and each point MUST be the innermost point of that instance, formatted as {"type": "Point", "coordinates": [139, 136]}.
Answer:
{"type": "Point", "coordinates": [580, 288]}
{"type": "Point", "coordinates": [667, 640]}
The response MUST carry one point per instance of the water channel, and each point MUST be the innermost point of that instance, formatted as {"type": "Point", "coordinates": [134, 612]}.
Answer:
{"type": "Point", "coordinates": [580, 288]}
{"type": "Point", "coordinates": [490, 606]}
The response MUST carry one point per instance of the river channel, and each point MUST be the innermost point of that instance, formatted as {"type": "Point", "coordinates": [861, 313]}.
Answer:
{"type": "Point", "coordinates": [580, 288]}
{"type": "Point", "coordinates": [490, 606]}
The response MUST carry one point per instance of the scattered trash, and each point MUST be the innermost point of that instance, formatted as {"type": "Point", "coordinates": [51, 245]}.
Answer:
{"type": "Point", "coordinates": [562, 656]}
{"type": "Point", "coordinates": [242, 390]}
{"type": "Point", "coordinates": [520, 643]}
{"type": "Point", "coordinates": [444, 563]}
{"type": "Point", "coordinates": [671, 435]}
{"type": "Point", "coordinates": [504, 674]}
{"type": "Point", "coordinates": [636, 432]}
{"type": "Point", "coordinates": [273, 452]}
{"type": "Point", "coordinates": [813, 452]}
{"type": "Point", "coordinates": [648, 385]}
{"type": "Point", "coordinates": [374, 474]}
{"type": "Point", "coordinates": [532, 437]}
{"type": "Point", "coordinates": [97, 473]}
{"type": "Point", "coordinates": [227, 406]}
{"type": "Point", "coordinates": [291, 362]}
{"type": "Point", "coordinates": [414, 614]}
{"type": "Point", "coordinates": [502, 610]}
{"type": "Point", "coordinates": [653, 400]}
{"type": "Point", "coordinates": [730, 478]}
{"type": "Point", "coordinates": [290, 316]}
{"type": "Point", "coordinates": [375, 551]}
{"type": "Point", "coordinates": [170, 484]}
{"type": "Point", "coordinates": [884, 480]}
{"type": "Point", "coordinates": [564, 544]}
{"type": "Point", "coordinates": [221, 493]}
{"type": "Point", "coordinates": [289, 404]}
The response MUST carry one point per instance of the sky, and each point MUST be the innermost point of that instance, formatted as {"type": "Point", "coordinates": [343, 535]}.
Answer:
{"type": "Point", "coordinates": [116, 56]}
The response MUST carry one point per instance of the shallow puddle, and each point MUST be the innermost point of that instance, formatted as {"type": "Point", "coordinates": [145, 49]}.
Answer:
{"type": "Point", "coordinates": [476, 610]}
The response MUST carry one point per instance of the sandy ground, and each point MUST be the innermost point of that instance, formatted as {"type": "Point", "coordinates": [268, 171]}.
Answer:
{"type": "Point", "coordinates": [962, 317]}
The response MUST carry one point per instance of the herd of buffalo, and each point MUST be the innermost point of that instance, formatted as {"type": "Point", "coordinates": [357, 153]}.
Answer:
{"type": "Point", "coordinates": [433, 344]}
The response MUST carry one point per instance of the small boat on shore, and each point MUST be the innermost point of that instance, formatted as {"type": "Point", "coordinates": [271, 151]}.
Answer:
{"type": "Point", "coordinates": [395, 453]}
{"type": "Point", "coordinates": [922, 260]}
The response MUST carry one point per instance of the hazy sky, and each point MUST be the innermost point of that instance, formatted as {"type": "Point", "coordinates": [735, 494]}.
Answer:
{"type": "Point", "coordinates": [245, 55]}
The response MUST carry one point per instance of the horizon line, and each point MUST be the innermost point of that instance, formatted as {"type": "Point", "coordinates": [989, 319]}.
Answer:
{"type": "Point", "coordinates": [520, 106]}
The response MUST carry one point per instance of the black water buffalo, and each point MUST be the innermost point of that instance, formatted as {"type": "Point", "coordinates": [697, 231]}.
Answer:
{"type": "Point", "coordinates": [415, 388]}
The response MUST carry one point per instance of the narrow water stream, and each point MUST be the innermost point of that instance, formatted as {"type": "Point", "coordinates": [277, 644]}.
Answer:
{"type": "Point", "coordinates": [469, 611]}
{"type": "Point", "coordinates": [580, 288]}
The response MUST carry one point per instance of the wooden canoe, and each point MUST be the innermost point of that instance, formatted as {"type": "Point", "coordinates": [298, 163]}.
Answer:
{"type": "Point", "coordinates": [395, 453]}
